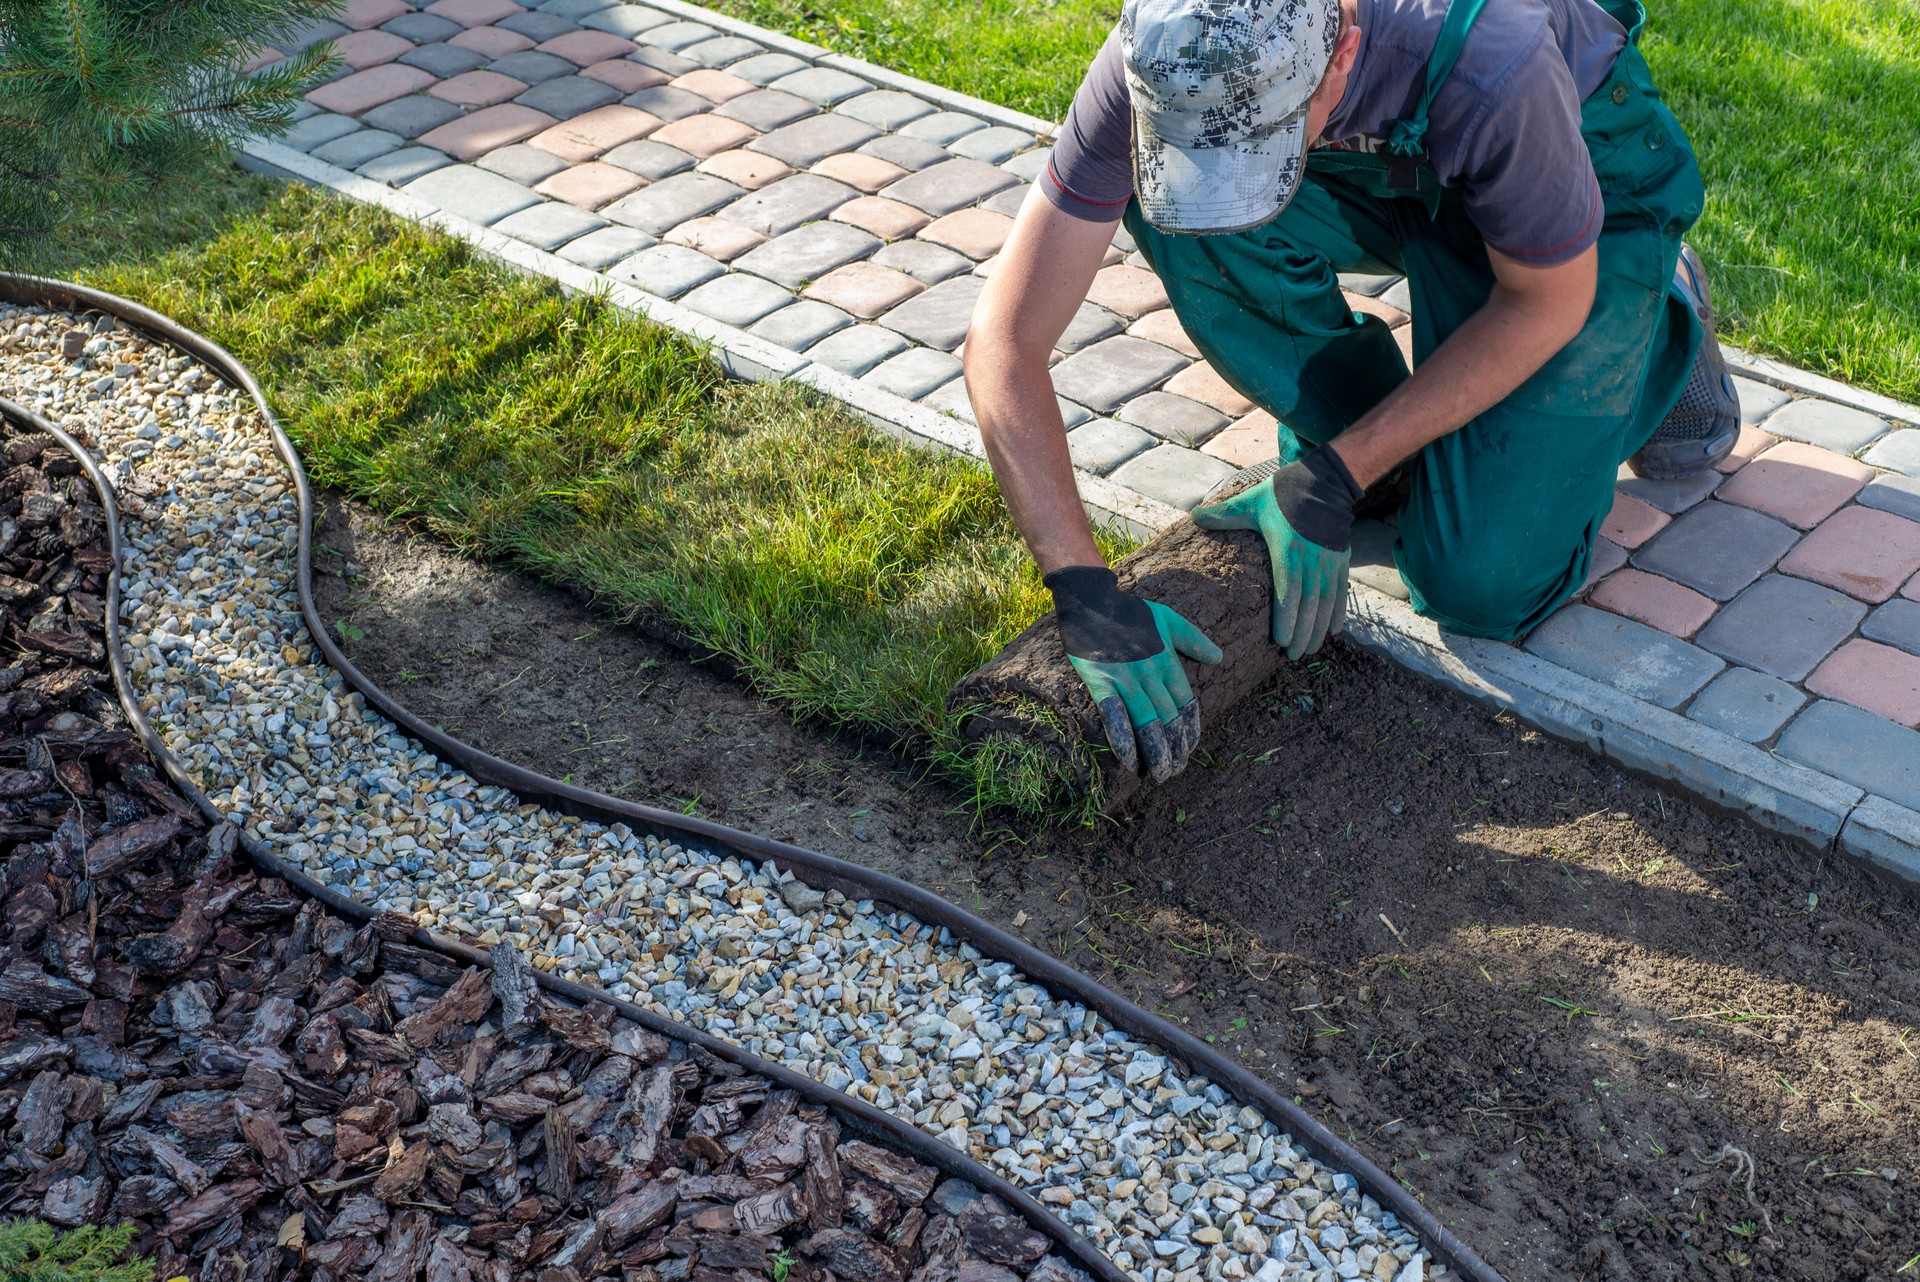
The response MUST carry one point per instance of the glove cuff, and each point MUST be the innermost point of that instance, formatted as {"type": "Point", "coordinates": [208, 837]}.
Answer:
{"type": "Point", "coordinates": [1326, 465]}
{"type": "Point", "coordinates": [1098, 622]}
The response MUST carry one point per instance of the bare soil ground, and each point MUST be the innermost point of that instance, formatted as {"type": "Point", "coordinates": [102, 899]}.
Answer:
{"type": "Point", "coordinates": [1602, 1031]}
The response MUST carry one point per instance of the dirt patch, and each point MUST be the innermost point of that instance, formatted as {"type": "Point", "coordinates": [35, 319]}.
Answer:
{"type": "Point", "coordinates": [1600, 1030]}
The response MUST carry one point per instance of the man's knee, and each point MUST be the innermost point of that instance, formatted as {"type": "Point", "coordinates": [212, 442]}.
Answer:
{"type": "Point", "coordinates": [1486, 596]}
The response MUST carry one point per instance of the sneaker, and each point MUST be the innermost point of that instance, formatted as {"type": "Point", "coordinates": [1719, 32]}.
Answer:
{"type": "Point", "coordinates": [1701, 430]}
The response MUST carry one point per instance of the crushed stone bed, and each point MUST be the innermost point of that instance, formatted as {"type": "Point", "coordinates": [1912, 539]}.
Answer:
{"type": "Point", "coordinates": [1167, 1174]}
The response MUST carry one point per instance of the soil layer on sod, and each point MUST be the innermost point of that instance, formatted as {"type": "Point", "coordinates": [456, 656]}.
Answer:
{"type": "Point", "coordinates": [1602, 1032]}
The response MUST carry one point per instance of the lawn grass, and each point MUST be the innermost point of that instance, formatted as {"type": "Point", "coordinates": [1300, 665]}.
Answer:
{"type": "Point", "coordinates": [851, 577]}
{"type": "Point", "coordinates": [1802, 112]}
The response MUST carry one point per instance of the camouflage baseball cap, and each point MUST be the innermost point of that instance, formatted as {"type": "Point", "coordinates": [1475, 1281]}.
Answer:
{"type": "Point", "coordinates": [1220, 90]}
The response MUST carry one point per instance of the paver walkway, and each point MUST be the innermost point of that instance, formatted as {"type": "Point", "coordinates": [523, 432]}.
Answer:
{"type": "Point", "coordinates": [1775, 602]}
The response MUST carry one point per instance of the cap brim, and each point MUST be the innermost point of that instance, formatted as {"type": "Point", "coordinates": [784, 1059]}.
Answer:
{"type": "Point", "coordinates": [1200, 190]}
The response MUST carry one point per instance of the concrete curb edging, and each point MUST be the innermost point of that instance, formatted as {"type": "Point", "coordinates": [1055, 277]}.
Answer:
{"type": "Point", "coordinates": [1793, 379]}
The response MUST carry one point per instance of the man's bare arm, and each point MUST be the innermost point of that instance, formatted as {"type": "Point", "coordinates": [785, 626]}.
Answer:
{"type": "Point", "coordinates": [1040, 279]}
{"type": "Point", "coordinates": [1531, 314]}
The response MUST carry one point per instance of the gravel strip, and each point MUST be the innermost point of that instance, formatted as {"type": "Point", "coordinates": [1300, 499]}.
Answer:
{"type": "Point", "coordinates": [1167, 1174]}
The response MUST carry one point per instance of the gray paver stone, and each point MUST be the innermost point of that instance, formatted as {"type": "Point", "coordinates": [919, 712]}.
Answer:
{"type": "Point", "coordinates": [1757, 400]}
{"type": "Point", "coordinates": [923, 260]}
{"type": "Point", "coordinates": [1361, 282]}
{"type": "Point", "coordinates": [856, 349]}
{"type": "Point", "coordinates": [1899, 495]}
{"type": "Point", "coordinates": [1122, 238]}
{"type": "Point", "coordinates": [1897, 623]}
{"type": "Point", "coordinates": [1746, 704]}
{"type": "Point", "coordinates": [658, 209]}
{"type": "Point", "coordinates": [766, 109]}
{"type": "Point", "coordinates": [1717, 548]}
{"type": "Point", "coordinates": [1007, 202]}
{"type": "Point", "coordinates": [951, 398]}
{"type": "Point", "coordinates": [301, 110]}
{"type": "Point", "coordinates": [807, 253]}
{"type": "Point", "coordinates": [807, 142]}
{"type": "Point", "coordinates": [800, 326]}
{"type": "Point", "coordinates": [410, 116]}
{"type": "Point", "coordinates": [525, 164]}
{"type": "Point", "coordinates": [1173, 474]}
{"type": "Point", "coordinates": [823, 86]}
{"type": "Point", "coordinates": [549, 224]}
{"type": "Point", "coordinates": [568, 96]}
{"type": "Point", "coordinates": [316, 130]}
{"type": "Point", "coordinates": [667, 64]}
{"type": "Point", "coordinates": [1852, 744]}
{"type": "Point", "coordinates": [626, 20]}
{"type": "Point", "coordinates": [537, 26]}
{"type": "Point", "coordinates": [942, 127]}
{"type": "Point", "coordinates": [1174, 418]}
{"type": "Point", "coordinates": [1029, 165]}
{"type": "Point", "coordinates": [937, 317]}
{"type": "Point", "coordinates": [914, 372]}
{"type": "Point", "coordinates": [737, 299]}
{"type": "Point", "coordinates": [952, 184]}
{"type": "Point", "coordinates": [576, 9]}
{"type": "Point", "coordinates": [599, 250]}
{"type": "Point", "coordinates": [1114, 371]}
{"type": "Point", "coordinates": [651, 160]}
{"type": "Point", "coordinates": [1670, 496]}
{"type": "Point", "coordinates": [1631, 657]}
{"type": "Point", "coordinates": [443, 60]}
{"type": "Point", "coordinates": [1897, 451]}
{"type": "Point", "coordinates": [1819, 422]}
{"type": "Point", "coordinates": [309, 33]}
{"type": "Point", "coordinates": [909, 153]}
{"type": "Point", "coordinates": [723, 51]}
{"type": "Point", "coordinates": [356, 149]}
{"type": "Point", "coordinates": [765, 68]}
{"type": "Point", "coordinates": [1091, 323]}
{"type": "Point", "coordinates": [668, 103]}
{"type": "Point", "coordinates": [887, 109]}
{"type": "Point", "coordinates": [403, 166]}
{"type": "Point", "coordinates": [472, 193]}
{"type": "Point", "coordinates": [1100, 445]}
{"type": "Point", "coordinates": [667, 270]}
{"type": "Point", "coordinates": [779, 208]}
{"type": "Point", "coordinates": [996, 144]}
{"type": "Point", "coordinates": [532, 66]}
{"type": "Point", "coordinates": [1073, 414]}
{"type": "Point", "coordinates": [1782, 625]}
{"type": "Point", "coordinates": [675, 36]}
{"type": "Point", "coordinates": [422, 28]}
{"type": "Point", "coordinates": [1398, 295]}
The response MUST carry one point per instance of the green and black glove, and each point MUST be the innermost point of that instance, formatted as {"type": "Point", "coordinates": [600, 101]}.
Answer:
{"type": "Point", "coordinates": [1124, 648]}
{"type": "Point", "coordinates": [1306, 516]}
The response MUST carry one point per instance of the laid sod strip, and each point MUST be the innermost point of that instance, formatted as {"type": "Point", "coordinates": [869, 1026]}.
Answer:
{"type": "Point", "coordinates": [1802, 114]}
{"type": "Point", "coordinates": [851, 577]}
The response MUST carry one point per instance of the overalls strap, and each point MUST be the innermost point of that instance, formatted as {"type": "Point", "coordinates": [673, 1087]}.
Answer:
{"type": "Point", "coordinates": [1407, 144]}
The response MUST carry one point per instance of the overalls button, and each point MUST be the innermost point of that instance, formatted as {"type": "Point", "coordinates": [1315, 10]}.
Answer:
{"type": "Point", "coordinates": [1619, 94]}
{"type": "Point", "coordinates": [1655, 141]}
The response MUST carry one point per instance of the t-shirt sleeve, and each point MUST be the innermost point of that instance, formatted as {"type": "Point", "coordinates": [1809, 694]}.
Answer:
{"type": "Point", "coordinates": [1525, 172]}
{"type": "Point", "coordinates": [1090, 174]}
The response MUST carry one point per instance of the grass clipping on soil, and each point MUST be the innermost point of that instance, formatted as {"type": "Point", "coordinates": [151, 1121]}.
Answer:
{"type": "Point", "coordinates": [851, 577]}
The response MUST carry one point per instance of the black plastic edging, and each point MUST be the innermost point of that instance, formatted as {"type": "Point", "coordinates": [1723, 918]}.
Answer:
{"type": "Point", "coordinates": [823, 872]}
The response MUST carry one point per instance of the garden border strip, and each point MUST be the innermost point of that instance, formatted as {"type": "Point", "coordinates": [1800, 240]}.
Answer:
{"type": "Point", "coordinates": [817, 870]}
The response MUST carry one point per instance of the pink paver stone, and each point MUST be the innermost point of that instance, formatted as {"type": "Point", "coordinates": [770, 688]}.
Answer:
{"type": "Point", "coordinates": [1862, 551]}
{"type": "Point", "coordinates": [1659, 603]}
{"type": "Point", "coordinates": [1608, 557]}
{"type": "Point", "coordinates": [862, 173]}
{"type": "Point", "coordinates": [363, 14]}
{"type": "Point", "coordinates": [887, 219]}
{"type": "Point", "coordinates": [627, 77]}
{"type": "Point", "coordinates": [1199, 382]}
{"type": "Point", "coordinates": [1130, 291]}
{"type": "Point", "coordinates": [365, 90]}
{"type": "Point", "coordinates": [1632, 522]}
{"type": "Point", "coordinates": [478, 89]}
{"type": "Point", "coordinates": [977, 233]}
{"type": "Point", "coordinates": [584, 48]}
{"type": "Point", "coordinates": [591, 185]}
{"type": "Point", "coordinates": [1751, 443]}
{"type": "Point", "coordinates": [714, 86]}
{"type": "Point", "coordinates": [1248, 440]}
{"type": "Point", "coordinates": [1392, 315]}
{"type": "Point", "coordinates": [362, 49]}
{"type": "Point", "coordinates": [863, 289]}
{"type": "Point", "coordinates": [491, 42]}
{"type": "Point", "coordinates": [1797, 482]}
{"type": "Point", "coordinates": [748, 169]}
{"type": "Point", "coordinates": [474, 13]}
{"type": "Point", "coordinates": [600, 130]}
{"type": "Point", "coordinates": [1876, 677]}
{"type": "Point", "coordinates": [717, 238]}
{"type": "Point", "coordinates": [487, 130]}
{"type": "Point", "coordinates": [1163, 327]}
{"type": "Point", "coordinates": [705, 136]}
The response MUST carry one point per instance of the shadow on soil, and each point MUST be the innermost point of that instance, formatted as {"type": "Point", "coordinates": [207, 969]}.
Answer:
{"type": "Point", "coordinates": [1603, 1032]}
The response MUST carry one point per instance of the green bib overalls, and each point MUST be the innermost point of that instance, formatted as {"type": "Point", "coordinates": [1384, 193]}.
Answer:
{"type": "Point", "coordinates": [1499, 526]}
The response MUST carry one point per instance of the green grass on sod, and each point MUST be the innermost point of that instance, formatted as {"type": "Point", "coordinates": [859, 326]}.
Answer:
{"type": "Point", "coordinates": [852, 578]}
{"type": "Point", "coordinates": [1803, 114]}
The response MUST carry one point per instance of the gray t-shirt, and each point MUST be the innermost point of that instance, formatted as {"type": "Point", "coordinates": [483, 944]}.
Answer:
{"type": "Point", "coordinates": [1504, 128]}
